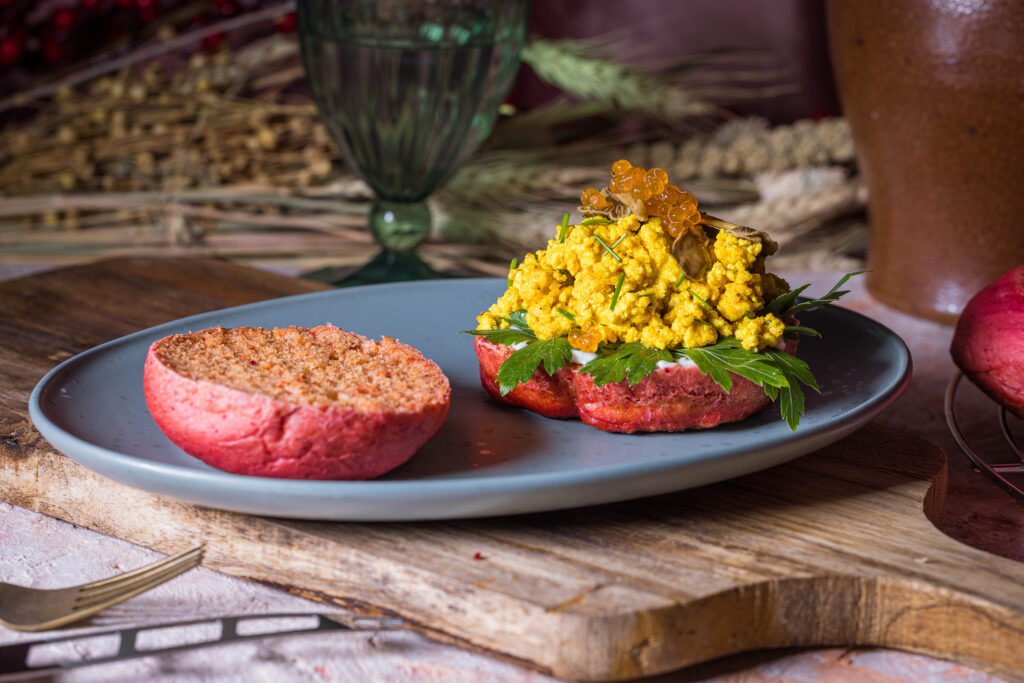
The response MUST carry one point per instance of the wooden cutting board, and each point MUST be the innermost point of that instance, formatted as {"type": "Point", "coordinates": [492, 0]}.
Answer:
{"type": "Point", "coordinates": [836, 548]}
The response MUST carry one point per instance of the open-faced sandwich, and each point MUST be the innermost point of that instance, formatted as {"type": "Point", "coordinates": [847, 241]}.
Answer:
{"type": "Point", "coordinates": [649, 315]}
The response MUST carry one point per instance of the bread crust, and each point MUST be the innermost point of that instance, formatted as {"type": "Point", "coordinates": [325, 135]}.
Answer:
{"type": "Point", "coordinates": [669, 399]}
{"type": "Point", "coordinates": [988, 344]}
{"type": "Point", "coordinates": [254, 434]}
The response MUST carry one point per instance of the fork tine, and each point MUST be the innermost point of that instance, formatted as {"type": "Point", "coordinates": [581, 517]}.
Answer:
{"type": "Point", "coordinates": [79, 613]}
{"type": "Point", "coordinates": [152, 578]}
{"type": "Point", "coordinates": [142, 570]}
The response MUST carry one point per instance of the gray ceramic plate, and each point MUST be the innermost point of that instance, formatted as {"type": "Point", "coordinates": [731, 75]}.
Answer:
{"type": "Point", "coordinates": [488, 459]}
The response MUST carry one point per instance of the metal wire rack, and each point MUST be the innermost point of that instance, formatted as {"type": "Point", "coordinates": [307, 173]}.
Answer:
{"type": "Point", "coordinates": [996, 472]}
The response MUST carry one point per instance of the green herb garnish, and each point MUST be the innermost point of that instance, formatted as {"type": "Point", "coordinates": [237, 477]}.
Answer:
{"type": "Point", "coordinates": [699, 299]}
{"type": "Point", "coordinates": [608, 249]}
{"type": "Point", "coordinates": [682, 276]}
{"type": "Point", "coordinates": [517, 319]}
{"type": "Point", "coordinates": [564, 229]}
{"type": "Point", "coordinates": [791, 403]}
{"type": "Point", "coordinates": [595, 220]}
{"type": "Point", "coordinates": [784, 304]}
{"type": "Point", "coordinates": [618, 288]}
{"type": "Point", "coordinates": [793, 331]}
{"type": "Point", "coordinates": [566, 314]}
{"type": "Point", "coordinates": [728, 355]}
{"type": "Point", "coordinates": [631, 360]}
{"type": "Point", "coordinates": [508, 337]}
{"type": "Point", "coordinates": [519, 367]}
{"type": "Point", "coordinates": [619, 241]}
{"type": "Point", "coordinates": [518, 333]}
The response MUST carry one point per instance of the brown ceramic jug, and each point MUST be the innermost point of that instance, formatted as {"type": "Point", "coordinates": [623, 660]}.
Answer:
{"type": "Point", "coordinates": [934, 92]}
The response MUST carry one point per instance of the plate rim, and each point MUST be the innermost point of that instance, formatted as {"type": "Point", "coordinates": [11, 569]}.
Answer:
{"type": "Point", "coordinates": [504, 483]}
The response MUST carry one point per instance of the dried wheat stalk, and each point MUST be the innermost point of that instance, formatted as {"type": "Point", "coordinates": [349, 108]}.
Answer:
{"type": "Point", "coordinates": [213, 159]}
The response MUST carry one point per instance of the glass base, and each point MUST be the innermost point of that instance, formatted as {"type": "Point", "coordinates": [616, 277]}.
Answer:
{"type": "Point", "coordinates": [386, 266]}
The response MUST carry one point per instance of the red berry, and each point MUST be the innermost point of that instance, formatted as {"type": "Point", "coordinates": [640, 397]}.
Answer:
{"type": "Point", "coordinates": [53, 52]}
{"type": "Point", "coordinates": [213, 40]}
{"type": "Point", "coordinates": [10, 50]}
{"type": "Point", "coordinates": [286, 24]}
{"type": "Point", "coordinates": [63, 19]}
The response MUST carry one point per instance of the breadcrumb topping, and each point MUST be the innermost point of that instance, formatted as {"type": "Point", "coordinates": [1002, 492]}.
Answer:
{"type": "Point", "coordinates": [309, 366]}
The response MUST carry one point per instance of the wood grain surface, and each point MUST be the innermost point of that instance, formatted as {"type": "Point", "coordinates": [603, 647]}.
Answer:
{"type": "Point", "coordinates": [836, 548]}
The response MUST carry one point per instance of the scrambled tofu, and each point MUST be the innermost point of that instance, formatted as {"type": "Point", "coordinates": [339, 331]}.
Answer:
{"type": "Point", "coordinates": [619, 281]}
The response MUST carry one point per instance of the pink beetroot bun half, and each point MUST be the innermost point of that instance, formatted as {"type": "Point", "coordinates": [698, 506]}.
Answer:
{"type": "Point", "coordinates": [671, 399]}
{"type": "Point", "coordinates": [988, 343]}
{"type": "Point", "coordinates": [295, 403]}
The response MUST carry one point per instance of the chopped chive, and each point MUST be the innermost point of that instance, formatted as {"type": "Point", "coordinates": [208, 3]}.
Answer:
{"type": "Point", "coordinates": [682, 276]}
{"type": "Point", "coordinates": [702, 322]}
{"type": "Point", "coordinates": [511, 268]}
{"type": "Point", "coordinates": [608, 249]}
{"type": "Point", "coordinates": [620, 239]}
{"type": "Point", "coordinates": [800, 329]}
{"type": "Point", "coordinates": [596, 220]}
{"type": "Point", "coordinates": [618, 288]}
{"type": "Point", "coordinates": [749, 316]}
{"type": "Point", "coordinates": [566, 313]}
{"type": "Point", "coordinates": [646, 294]}
{"type": "Point", "coordinates": [564, 229]}
{"type": "Point", "coordinates": [696, 296]}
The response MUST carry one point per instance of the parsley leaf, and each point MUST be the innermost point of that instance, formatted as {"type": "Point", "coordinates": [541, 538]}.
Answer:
{"type": "Point", "coordinates": [784, 304]}
{"type": "Point", "coordinates": [520, 366]}
{"type": "Point", "coordinates": [832, 295]}
{"type": "Point", "coordinates": [519, 333]}
{"type": "Point", "coordinates": [632, 361]}
{"type": "Point", "coordinates": [780, 304]}
{"type": "Point", "coordinates": [508, 337]}
{"type": "Point", "coordinates": [792, 366]}
{"type": "Point", "coordinates": [793, 331]}
{"type": "Point", "coordinates": [517, 319]}
{"type": "Point", "coordinates": [791, 403]}
{"type": "Point", "coordinates": [728, 355]}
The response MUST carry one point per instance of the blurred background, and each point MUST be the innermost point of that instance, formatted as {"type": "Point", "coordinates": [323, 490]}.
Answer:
{"type": "Point", "coordinates": [133, 127]}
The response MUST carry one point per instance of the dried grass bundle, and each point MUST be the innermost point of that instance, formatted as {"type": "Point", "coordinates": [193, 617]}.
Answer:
{"type": "Point", "coordinates": [222, 157]}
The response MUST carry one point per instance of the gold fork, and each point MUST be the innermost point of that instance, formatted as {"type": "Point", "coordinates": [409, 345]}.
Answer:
{"type": "Point", "coordinates": [36, 609]}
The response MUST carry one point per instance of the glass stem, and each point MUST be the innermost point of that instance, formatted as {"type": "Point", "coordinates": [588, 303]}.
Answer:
{"type": "Point", "coordinates": [399, 226]}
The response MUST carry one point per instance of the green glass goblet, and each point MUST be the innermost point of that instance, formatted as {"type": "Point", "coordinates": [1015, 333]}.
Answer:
{"type": "Point", "coordinates": [408, 89]}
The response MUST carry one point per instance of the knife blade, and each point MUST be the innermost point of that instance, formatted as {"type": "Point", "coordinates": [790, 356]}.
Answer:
{"type": "Point", "coordinates": [16, 659]}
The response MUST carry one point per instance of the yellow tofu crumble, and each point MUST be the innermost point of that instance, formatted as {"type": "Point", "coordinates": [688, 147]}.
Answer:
{"type": "Point", "coordinates": [656, 304]}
